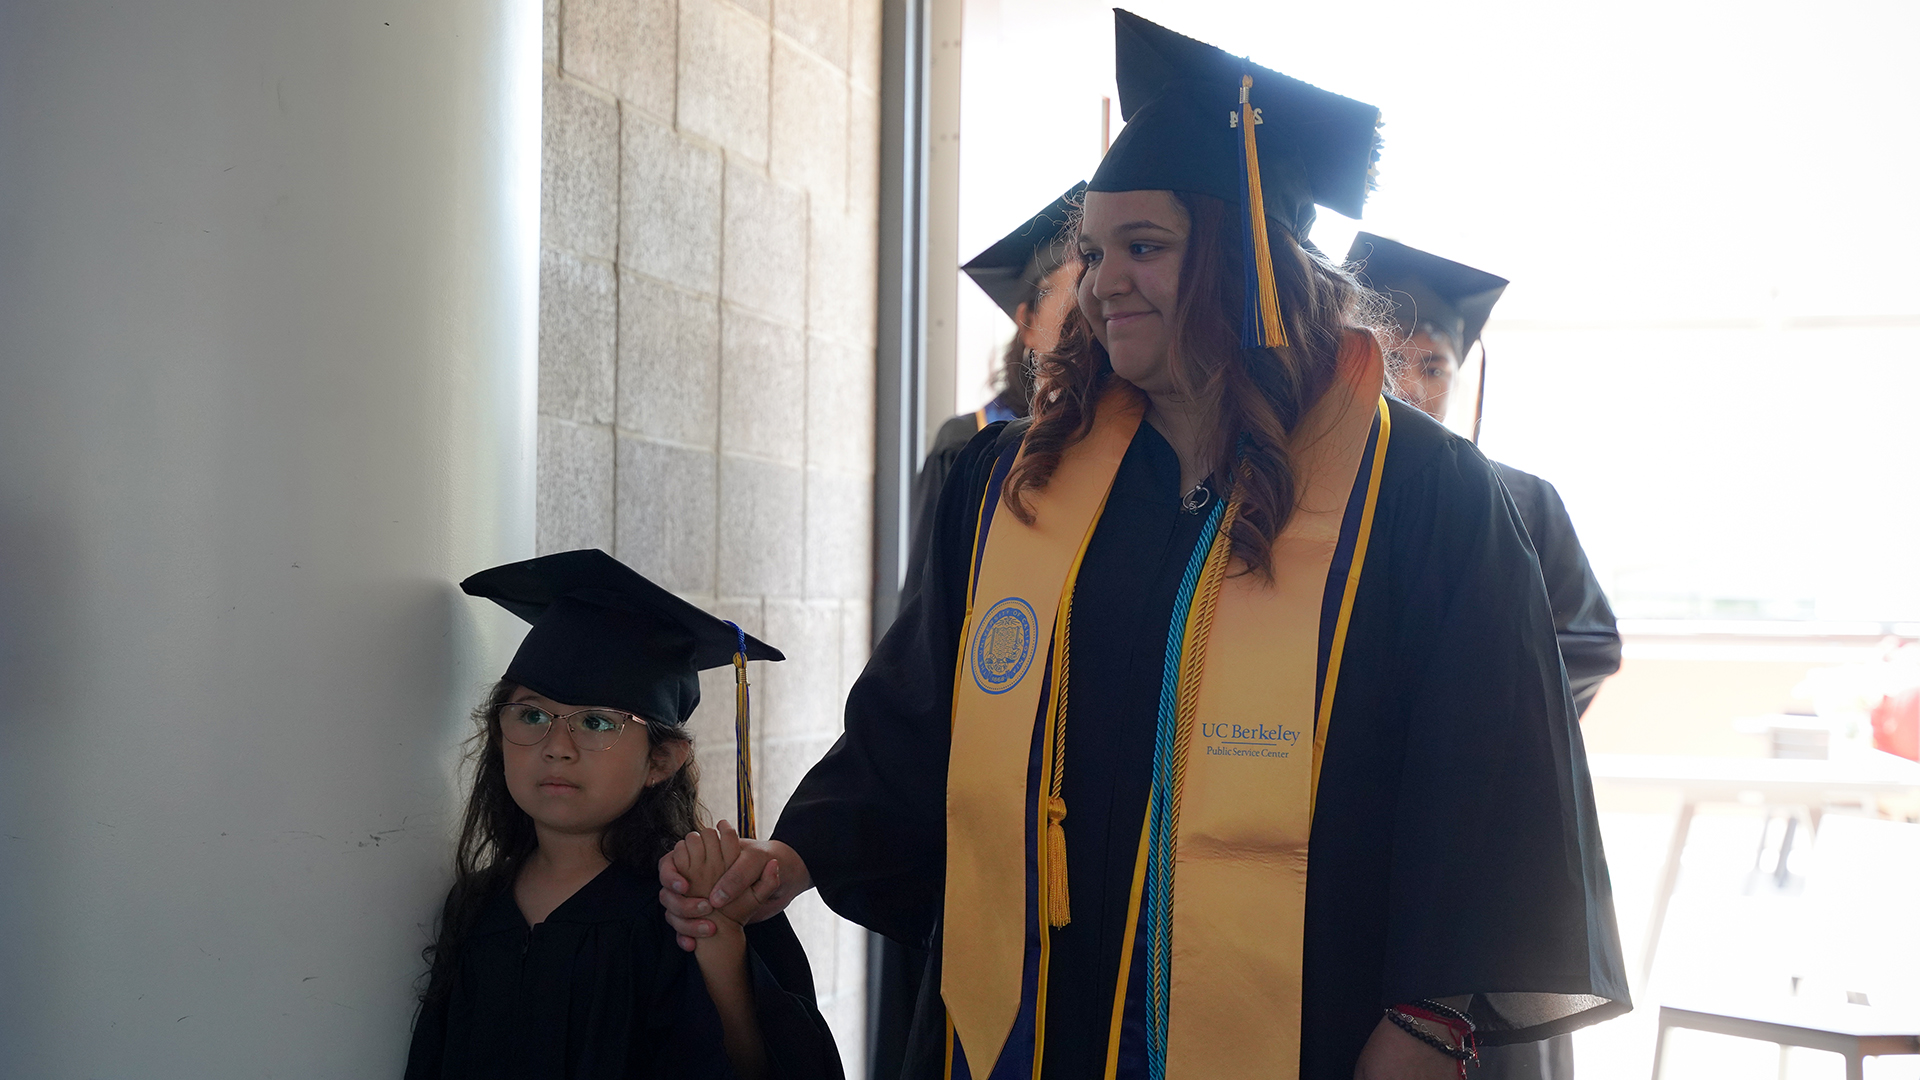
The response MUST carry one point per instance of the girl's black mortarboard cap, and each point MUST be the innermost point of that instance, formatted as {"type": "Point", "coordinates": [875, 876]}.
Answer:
{"type": "Point", "coordinates": [1025, 256]}
{"type": "Point", "coordinates": [1427, 290]}
{"type": "Point", "coordinates": [1204, 121]}
{"type": "Point", "coordinates": [604, 635]}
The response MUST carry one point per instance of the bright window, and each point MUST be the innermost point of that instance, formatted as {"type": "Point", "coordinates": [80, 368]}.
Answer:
{"type": "Point", "coordinates": [1709, 214]}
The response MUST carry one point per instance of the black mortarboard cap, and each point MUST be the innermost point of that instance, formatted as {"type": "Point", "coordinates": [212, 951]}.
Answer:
{"type": "Point", "coordinates": [604, 635]}
{"type": "Point", "coordinates": [1204, 121]}
{"type": "Point", "coordinates": [1181, 101]}
{"type": "Point", "coordinates": [1426, 289]}
{"type": "Point", "coordinates": [1024, 257]}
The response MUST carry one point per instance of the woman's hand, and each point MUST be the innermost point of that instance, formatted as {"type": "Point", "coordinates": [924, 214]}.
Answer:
{"type": "Point", "coordinates": [1392, 1054]}
{"type": "Point", "coordinates": [763, 879]}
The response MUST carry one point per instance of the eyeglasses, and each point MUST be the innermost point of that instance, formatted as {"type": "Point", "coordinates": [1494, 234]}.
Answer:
{"type": "Point", "coordinates": [593, 729]}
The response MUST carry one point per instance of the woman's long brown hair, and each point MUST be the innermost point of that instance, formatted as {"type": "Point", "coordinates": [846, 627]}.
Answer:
{"type": "Point", "coordinates": [496, 836]}
{"type": "Point", "coordinates": [1255, 396]}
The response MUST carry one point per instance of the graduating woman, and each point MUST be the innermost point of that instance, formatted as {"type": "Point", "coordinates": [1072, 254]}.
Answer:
{"type": "Point", "coordinates": [1150, 762]}
{"type": "Point", "coordinates": [1439, 309]}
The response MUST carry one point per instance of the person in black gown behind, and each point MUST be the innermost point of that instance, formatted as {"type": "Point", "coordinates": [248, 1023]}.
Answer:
{"type": "Point", "coordinates": [1455, 855]}
{"type": "Point", "coordinates": [1440, 307]}
{"type": "Point", "coordinates": [1030, 274]}
{"type": "Point", "coordinates": [553, 959]}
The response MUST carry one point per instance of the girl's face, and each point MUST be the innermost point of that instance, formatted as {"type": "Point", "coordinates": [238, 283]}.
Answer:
{"type": "Point", "coordinates": [569, 790]}
{"type": "Point", "coordinates": [1132, 243]}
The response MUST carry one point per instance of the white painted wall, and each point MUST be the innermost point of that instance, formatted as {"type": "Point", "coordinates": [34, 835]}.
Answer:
{"type": "Point", "coordinates": [267, 324]}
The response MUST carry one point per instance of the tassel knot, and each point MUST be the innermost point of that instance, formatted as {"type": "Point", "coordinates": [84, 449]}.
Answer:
{"type": "Point", "coordinates": [1059, 909]}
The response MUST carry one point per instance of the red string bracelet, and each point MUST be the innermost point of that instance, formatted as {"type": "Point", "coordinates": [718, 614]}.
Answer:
{"type": "Point", "coordinates": [1459, 1028]}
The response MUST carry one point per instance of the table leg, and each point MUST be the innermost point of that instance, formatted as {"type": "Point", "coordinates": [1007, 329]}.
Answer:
{"type": "Point", "coordinates": [1659, 1048]}
{"type": "Point", "coordinates": [1669, 877]}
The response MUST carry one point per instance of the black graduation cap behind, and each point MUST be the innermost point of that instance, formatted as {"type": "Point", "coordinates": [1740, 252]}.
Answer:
{"type": "Point", "coordinates": [1025, 256]}
{"type": "Point", "coordinates": [1426, 289]}
{"type": "Point", "coordinates": [1181, 99]}
{"type": "Point", "coordinates": [604, 635]}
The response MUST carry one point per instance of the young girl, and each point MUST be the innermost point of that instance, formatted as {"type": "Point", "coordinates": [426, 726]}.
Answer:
{"type": "Point", "coordinates": [553, 958]}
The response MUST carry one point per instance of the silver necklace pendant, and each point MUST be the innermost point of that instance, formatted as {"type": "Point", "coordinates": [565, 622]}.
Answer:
{"type": "Point", "coordinates": [1196, 498]}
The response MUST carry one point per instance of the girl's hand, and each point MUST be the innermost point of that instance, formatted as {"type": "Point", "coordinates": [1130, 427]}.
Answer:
{"type": "Point", "coordinates": [763, 879]}
{"type": "Point", "coordinates": [702, 857]}
{"type": "Point", "coordinates": [1392, 1054]}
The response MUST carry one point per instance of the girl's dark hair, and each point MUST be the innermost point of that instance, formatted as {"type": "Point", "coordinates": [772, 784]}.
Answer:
{"type": "Point", "coordinates": [1260, 394]}
{"type": "Point", "coordinates": [496, 836]}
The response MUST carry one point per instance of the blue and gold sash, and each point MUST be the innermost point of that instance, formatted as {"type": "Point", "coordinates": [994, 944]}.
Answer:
{"type": "Point", "coordinates": [1243, 722]}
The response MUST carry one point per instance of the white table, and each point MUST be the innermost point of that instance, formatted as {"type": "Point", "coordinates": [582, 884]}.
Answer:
{"type": "Point", "coordinates": [1855, 1032]}
{"type": "Point", "coordinates": [1779, 781]}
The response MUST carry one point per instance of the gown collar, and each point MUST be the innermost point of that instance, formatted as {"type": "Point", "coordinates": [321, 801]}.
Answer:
{"type": "Point", "coordinates": [614, 894]}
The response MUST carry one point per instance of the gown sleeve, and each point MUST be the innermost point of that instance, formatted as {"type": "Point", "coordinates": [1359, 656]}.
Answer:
{"type": "Point", "coordinates": [1498, 885]}
{"type": "Point", "coordinates": [870, 818]}
{"type": "Point", "coordinates": [799, 1044]}
{"type": "Point", "coordinates": [1582, 618]}
{"type": "Point", "coordinates": [683, 1034]}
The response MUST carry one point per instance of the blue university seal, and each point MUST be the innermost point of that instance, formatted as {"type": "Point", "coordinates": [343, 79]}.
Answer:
{"type": "Point", "coordinates": [1003, 645]}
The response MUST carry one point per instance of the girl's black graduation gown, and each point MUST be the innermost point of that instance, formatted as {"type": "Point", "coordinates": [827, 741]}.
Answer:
{"type": "Point", "coordinates": [1455, 849]}
{"type": "Point", "coordinates": [600, 991]}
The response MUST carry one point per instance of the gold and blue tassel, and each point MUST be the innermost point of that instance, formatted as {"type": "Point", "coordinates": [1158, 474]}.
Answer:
{"type": "Point", "coordinates": [742, 737]}
{"type": "Point", "coordinates": [1261, 326]}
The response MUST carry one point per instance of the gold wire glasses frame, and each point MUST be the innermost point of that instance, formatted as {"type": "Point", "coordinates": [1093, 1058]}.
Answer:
{"type": "Point", "coordinates": [524, 724]}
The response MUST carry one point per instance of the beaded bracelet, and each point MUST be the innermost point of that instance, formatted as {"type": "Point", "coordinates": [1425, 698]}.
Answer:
{"type": "Point", "coordinates": [1458, 1026]}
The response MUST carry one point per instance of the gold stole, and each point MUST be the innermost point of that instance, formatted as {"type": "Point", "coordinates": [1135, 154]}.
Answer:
{"type": "Point", "coordinates": [1239, 910]}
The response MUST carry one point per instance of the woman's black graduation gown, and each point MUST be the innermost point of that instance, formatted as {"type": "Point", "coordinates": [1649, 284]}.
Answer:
{"type": "Point", "coordinates": [600, 991]}
{"type": "Point", "coordinates": [1582, 619]}
{"type": "Point", "coordinates": [1455, 848]}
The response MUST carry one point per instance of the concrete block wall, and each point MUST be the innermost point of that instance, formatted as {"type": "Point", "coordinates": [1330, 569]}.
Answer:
{"type": "Point", "coordinates": [707, 284]}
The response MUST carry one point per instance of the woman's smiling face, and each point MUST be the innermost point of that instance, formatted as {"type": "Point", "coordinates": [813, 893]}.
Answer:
{"type": "Point", "coordinates": [1132, 244]}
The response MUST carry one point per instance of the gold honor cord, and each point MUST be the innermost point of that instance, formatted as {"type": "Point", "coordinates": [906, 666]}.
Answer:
{"type": "Point", "coordinates": [1059, 904]}
{"type": "Point", "coordinates": [1273, 331]}
{"type": "Point", "coordinates": [1051, 813]}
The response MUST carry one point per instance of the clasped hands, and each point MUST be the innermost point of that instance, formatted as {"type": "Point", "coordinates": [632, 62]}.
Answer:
{"type": "Point", "coordinates": [717, 873]}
